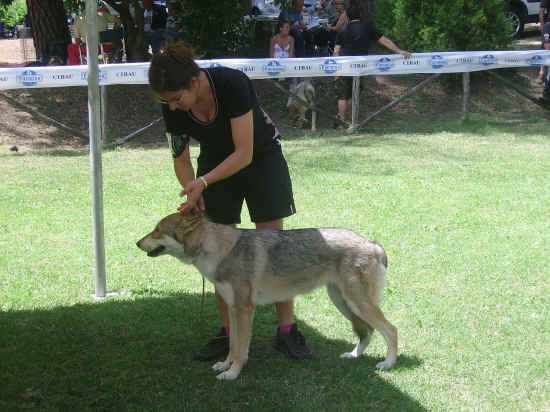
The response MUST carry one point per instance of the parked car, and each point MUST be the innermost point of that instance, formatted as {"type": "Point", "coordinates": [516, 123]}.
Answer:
{"type": "Point", "coordinates": [521, 12]}
{"type": "Point", "coordinates": [268, 7]}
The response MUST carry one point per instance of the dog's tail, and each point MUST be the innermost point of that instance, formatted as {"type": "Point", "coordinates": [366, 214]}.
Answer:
{"type": "Point", "coordinates": [382, 254]}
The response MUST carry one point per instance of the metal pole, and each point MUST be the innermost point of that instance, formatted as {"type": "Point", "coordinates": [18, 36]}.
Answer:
{"type": "Point", "coordinates": [103, 105]}
{"type": "Point", "coordinates": [94, 122]}
{"type": "Point", "coordinates": [355, 101]}
{"type": "Point", "coordinates": [466, 95]}
{"type": "Point", "coordinates": [393, 103]}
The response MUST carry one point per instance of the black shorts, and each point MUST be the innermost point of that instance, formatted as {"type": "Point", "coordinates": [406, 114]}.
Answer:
{"type": "Point", "coordinates": [344, 87]}
{"type": "Point", "coordinates": [265, 185]}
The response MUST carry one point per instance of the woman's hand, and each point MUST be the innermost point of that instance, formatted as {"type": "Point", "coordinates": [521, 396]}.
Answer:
{"type": "Point", "coordinates": [195, 201]}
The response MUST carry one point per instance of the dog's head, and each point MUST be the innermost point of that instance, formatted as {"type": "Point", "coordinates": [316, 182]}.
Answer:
{"type": "Point", "coordinates": [173, 236]}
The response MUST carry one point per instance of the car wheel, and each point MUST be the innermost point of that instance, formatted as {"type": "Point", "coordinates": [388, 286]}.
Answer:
{"type": "Point", "coordinates": [516, 18]}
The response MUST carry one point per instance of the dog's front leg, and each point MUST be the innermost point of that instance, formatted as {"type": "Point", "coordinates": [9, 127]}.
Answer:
{"type": "Point", "coordinates": [240, 318]}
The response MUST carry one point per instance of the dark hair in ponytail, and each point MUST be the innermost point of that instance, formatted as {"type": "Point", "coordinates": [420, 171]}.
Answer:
{"type": "Point", "coordinates": [173, 68]}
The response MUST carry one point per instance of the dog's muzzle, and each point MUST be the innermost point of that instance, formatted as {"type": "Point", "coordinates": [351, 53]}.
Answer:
{"type": "Point", "coordinates": [156, 251]}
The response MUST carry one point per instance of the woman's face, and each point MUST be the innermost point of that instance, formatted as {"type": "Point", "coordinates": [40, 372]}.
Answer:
{"type": "Point", "coordinates": [285, 29]}
{"type": "Point", "coordinates": [183, 99]}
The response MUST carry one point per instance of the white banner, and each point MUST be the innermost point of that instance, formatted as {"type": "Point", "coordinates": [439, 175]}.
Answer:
{"type": "Point", "coordinates": [136, 73]}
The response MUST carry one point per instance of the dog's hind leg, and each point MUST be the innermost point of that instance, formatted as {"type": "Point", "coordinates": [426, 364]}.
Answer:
{"type": "Point", "coordinates": [240, 318]}
{"type": "Point", "coordinates": [360, 327]}
{"type": "Point", "coordinates": [372, 314]}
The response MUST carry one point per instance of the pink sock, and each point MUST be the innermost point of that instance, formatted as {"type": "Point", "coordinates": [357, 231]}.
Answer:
{"type": "Point", "coordinates": [285, 328]}
{"type": "Point", "coordinates": [226, 330]}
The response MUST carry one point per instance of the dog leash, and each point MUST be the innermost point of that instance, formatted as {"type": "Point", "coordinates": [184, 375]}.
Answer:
{"type": "Point", "coordinates": [201, 332]}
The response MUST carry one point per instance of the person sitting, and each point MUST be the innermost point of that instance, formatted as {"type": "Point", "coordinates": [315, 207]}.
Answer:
{"type": "Point", "coordinates": [173, 29]}
{"type": "Point", "coordinates": [302, 37]}
{"type": "Point", "coordinates": [103, 20]}
{"type": "Point", "coordinates": [282, 44]}
{"type": "Point", "coordinates": [155, 17]}
{"type": "Point", "coordinates": [335, 13]}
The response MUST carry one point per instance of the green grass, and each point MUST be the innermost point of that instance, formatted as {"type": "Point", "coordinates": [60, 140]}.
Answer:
{"type": "Point", "coordinates": [461, 208]}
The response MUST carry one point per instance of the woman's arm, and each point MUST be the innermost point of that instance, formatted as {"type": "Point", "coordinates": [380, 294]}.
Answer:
{"type": "Point", "coordinates": [184, 168]}
{"type": "Point", "coordinates": [242, 130]}
{"type": "Point", "coordinates": [291, 41]}
{"type": "Point", "coordinates": [186, 176]}
{"type": "Point", "coordinates": [384, 41]}
{"type": "Point", "coordinates": [342, 20]}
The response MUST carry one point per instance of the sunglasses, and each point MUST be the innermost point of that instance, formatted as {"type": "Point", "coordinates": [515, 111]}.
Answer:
{"type": "Point", "coordinates": [172, 101]}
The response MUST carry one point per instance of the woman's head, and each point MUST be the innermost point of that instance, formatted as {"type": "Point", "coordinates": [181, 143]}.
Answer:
{"type": "Point", "coordinates": [353, 11]}
{"type": "Point", "coordinates": [297, 5]}
{"type": "Point", "coordinates": [284, 26]}
{"type": "Point", "coordinates": [173, 68]}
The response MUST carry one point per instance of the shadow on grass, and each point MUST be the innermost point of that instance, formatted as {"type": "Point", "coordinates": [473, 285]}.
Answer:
{"type": "Point", "coordinates": [136, 355]}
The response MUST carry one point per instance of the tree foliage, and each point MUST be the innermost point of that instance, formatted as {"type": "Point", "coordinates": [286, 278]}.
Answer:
{"type": "Point", "coordinates": [14, 13]}
{"type": "Point", "coordinates": [215, 28]}
{"type": "Point", "coordinates": [445, 25]}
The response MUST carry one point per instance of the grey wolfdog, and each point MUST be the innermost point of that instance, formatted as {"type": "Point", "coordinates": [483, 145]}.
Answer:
{"type": "Point", "coordinates": [251, 267]}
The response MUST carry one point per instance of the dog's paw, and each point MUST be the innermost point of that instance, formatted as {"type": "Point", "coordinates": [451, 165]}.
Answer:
{"type": "Point", "coordinates": [385, 365]}
{"type": "Point", "coordinates": [221, 366]}
{"type": "Point", "coordinates": [349, 355]}
{"type": "Point", "coordinates": [227, 376]}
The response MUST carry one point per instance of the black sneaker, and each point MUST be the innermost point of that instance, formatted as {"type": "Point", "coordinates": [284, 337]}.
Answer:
{"type": "Point", "coordinates": [293, 344]}
{"type": "Point", "coordinates": [544, 100]}
{"type": "Point", "coordinates": [217, 347]}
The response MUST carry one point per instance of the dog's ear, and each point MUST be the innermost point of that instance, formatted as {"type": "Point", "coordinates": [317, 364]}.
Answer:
{"type": "Point", "coordinates": [188, 223]}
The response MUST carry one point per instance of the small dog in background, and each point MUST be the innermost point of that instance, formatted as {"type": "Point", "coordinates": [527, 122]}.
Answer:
{"type": "Point", "coordinates": [305, 91]}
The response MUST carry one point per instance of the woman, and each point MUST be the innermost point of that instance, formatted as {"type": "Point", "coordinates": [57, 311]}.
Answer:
{"type": "Point", "coordinates": [282, 44]}
{"type": "Point", "coordinates": [240, 159]}
{"type": "Point", "coordinates": [354, 40]}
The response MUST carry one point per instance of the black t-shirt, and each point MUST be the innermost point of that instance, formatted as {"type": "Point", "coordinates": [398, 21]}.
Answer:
{"type": "Point", "coordinates": [354, 38]}
{"type": "Point", "coordinates": [235, 96]}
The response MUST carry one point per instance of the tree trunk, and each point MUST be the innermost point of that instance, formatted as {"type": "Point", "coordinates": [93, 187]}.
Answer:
{"type": "Point", "coordinates": [49, 29]}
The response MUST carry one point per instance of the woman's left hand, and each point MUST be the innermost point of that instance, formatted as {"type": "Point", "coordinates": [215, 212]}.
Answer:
{"type": "Point", "coordinates": [194, 197]}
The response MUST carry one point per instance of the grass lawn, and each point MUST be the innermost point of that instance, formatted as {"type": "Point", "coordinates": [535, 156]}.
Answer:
{"type": "Point", "coordinates": [461, 208]}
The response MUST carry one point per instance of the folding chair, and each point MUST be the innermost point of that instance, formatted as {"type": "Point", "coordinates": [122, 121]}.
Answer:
{"type": "Point", "coordinates": [115, 39]}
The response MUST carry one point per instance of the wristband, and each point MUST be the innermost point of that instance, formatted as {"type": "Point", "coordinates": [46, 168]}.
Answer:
{"type": "Point", "coordinates": [203, 180]}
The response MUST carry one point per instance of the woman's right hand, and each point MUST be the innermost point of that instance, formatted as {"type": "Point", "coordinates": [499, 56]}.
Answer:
{"type": "Point", "coordinates": [195, 200]}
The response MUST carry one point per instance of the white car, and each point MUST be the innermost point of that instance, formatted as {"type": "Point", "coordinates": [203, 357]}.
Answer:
{"type": "Point", "coordinates": [521, 12]}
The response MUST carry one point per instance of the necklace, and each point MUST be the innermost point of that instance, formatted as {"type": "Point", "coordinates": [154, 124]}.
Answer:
{"type": "Point", "coordinates": [207, 111]}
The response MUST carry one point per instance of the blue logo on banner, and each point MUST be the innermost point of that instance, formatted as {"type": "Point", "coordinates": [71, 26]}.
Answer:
{"type": "Point", "coordinates": [536, 60]}
{"type": "Point", "coordinates": [29, 78]}
{"type": "Point", "coordinates": [384, 64]}
{"type": "Point", "coordinates": [330, 66]}
{"type": "Point", "coordinates": [273, 68]}
{"type": "Point", "coordinates": [437, 61]}
{"type": "Point", "coordinates": [488, 60]}
{"type": "Point", "coordinates": [101, 75]}
{"type": "Point", "coordinates": [212, 65]}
